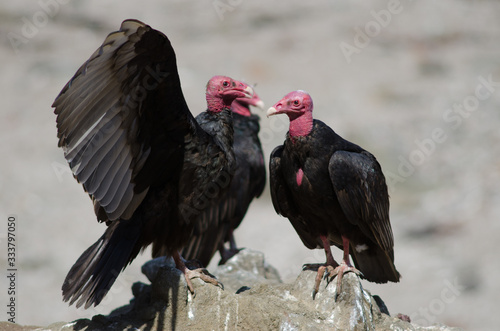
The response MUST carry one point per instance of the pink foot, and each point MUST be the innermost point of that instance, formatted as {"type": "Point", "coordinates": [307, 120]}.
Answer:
{"type": "Point", "coordinates": [203, 274]}
{"type": "Point", "coordinates": [189, 274]}
{"type": "Point", "coordinates": [321, 268]}
{"type": "Point", "coordinates": [331, 267]}
{"type": "Point", "coordinates": [339, 272]}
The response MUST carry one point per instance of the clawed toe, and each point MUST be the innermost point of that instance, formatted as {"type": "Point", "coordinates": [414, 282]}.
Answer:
{"type": "Point", "coordinates": [319, 276]}
{"type": "Point", "coordinates": [339, 273]}
{"type": "Point", "coordinates": [189, 274]}
{"type": "Point", "coordinates": [204, 275]}
{"type": "Point", "coordinates": [329, 272]}
{"type": "Point", "coordinates": [323, 272]}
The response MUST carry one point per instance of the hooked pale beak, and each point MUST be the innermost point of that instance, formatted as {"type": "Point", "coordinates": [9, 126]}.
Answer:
{"type": "Point", "coordinates": [271, 111]}
{"type": "Point", "coordinates": [241, 91]}
{"type": "Point", "coordinates": [274, 110]}
{"type": "Point", "coordinates": [248, 91]}
{"type": "Point", "coordinates": [260, 104]}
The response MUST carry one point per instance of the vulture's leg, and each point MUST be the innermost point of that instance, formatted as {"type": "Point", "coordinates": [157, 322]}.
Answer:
{"type": "Point", "coordinates": [329, 265]}
{"type": "Point", "coordinates": [344, 267]}
{"type": "Point", "coordinates": [226, 254]}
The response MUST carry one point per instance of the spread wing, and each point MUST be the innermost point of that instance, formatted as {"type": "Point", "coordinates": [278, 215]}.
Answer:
{"type": "Point", "coordinates": [361, 191]}
{"type": "Point", "coordinates": [122, 119]}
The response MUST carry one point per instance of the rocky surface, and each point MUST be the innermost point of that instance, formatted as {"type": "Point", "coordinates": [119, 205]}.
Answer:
{"type": "Point", "coordinates": [402, 86]}
{"type": "Point", "coordinates": [254, 299]}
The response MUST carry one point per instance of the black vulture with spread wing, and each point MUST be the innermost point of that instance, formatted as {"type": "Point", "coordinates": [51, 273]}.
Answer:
{"type": "Point", "coordinates": [145, 162]}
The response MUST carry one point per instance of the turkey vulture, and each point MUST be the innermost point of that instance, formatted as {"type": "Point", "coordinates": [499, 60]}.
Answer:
{"type": "Point", "coordinates": [248, 182]}
{"type": "Point", "coordinates": [333, 192]}
{"type": "Point", "coordinates": [145, 162]}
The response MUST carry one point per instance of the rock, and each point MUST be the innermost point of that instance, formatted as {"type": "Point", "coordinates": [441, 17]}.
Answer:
{"type": "Point", "coordinates": [8, 326]}
{"type": "Point", "coordinates": [151, 268]}
{"type": "Point", "coordinates": [354, 308]}
{"type": "Point", "coordinates": [246, 269]}
{"type": "Point", "coordinates": [254, 298]}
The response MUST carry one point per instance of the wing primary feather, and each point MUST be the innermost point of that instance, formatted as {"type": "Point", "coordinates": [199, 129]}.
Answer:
{"type": "Point", "coordinates": [95, 150]}
{"type": "Point", "coordinates": [108, 167]}
{"type": "Point", "coordinates": [118, 197]}
{"type": "Point", "coordinates": [94, 181]}
{"type": "Point", "coordinates": [114, 173]}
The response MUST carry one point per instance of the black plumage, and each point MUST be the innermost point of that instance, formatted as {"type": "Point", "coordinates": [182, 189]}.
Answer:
{"type": "Point", "coordinates": [226, 214]}
{"type": "Point", "coordinates": [333, 192]}
{"type": "Point", "coordinates": [132, 142]}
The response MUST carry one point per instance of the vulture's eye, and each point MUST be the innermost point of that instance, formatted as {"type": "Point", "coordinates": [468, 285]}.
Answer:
{"type": "Point", "coordinates": [225, 83]}
{"type": "Point", "coordinates": [296, 102]}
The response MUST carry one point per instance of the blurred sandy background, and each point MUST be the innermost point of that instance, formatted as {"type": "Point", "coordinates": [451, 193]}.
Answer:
{"type": "Point", "coordinates": [394, 95]}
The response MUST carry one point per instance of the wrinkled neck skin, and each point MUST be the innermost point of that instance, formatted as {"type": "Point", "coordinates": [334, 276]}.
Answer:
{"type": "Point", "coordinates": [300, 126]}
{"type": "Point", "coordinates": [238, 108]}
{"type": "Point", "coordinates": [215, 104]}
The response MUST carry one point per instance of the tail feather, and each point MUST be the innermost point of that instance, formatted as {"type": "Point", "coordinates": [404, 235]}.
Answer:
{"type": "Point", "coordinates": [376, 265]}
{"type": "Point", "coordinates": [95, 271]}
{"type": "Point", "coordinates": [203, 247]}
